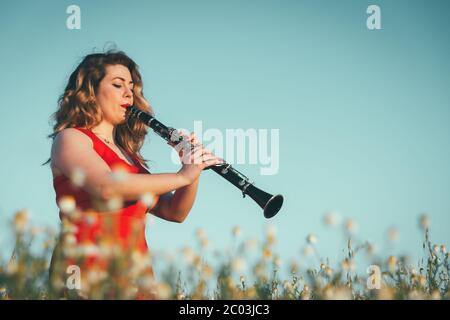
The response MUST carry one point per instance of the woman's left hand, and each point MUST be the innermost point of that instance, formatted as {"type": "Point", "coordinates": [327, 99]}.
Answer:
{"type": "Point", "coordinates": [203, 156]}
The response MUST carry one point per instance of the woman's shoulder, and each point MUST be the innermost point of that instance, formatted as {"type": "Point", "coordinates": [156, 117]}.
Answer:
{"type": "Point", "coordinates": [67, 142]}
{"type": "Point", "coordinates": [71, 137]}
{"type": "Point", "coordinates": [79, 134]}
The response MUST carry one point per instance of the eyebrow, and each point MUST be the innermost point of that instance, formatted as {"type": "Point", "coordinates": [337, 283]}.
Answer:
{"type": "Point", "coordinates": [122, 79]}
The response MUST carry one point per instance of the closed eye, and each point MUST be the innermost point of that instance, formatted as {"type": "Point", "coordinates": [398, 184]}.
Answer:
{"type": "Point", "coordinates": [119, 86]}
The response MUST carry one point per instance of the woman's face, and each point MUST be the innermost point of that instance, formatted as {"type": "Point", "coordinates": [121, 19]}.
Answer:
{"type": "Point", "coordinates": [115, 90]}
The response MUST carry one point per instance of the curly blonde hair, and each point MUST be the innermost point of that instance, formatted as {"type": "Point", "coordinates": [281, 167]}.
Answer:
{"type": "Point", "coordinates": [77, 105]}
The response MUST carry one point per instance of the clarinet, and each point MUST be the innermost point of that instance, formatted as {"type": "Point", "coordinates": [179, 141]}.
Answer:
{"type": "Point", "coordinates": [270, 204]}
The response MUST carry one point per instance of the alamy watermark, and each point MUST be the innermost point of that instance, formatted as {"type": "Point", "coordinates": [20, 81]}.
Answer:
{"type": "Point", "coordinates": [73, 21]}
{"type": "Point", "coordinates": [374, 279]}
{"type": "Point", "coordinates": [373, 22]}
{"type": "Point", "coordinates": [239, 146]}
{"type": "Point", "coordinates": [73, 281]}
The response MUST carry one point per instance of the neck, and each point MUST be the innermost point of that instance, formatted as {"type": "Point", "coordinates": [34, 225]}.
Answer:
{"type": "Point", "coordinates": [105, 130]}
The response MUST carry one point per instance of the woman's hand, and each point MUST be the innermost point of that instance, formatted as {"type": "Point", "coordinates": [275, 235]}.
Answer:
{"type": "Point", "coordinates": [195, 160]}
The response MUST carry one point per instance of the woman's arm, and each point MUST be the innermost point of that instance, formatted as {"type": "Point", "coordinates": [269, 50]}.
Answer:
{"type": "Point", "coordinates": [176, 206]}
{"type": "Point", "coordinates": [72, 150]}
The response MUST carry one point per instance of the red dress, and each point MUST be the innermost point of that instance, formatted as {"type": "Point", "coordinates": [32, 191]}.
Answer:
{"type": "Point", "coordinates": [132, 212]}
{"type": "Point", "coordinates": [124, 226]}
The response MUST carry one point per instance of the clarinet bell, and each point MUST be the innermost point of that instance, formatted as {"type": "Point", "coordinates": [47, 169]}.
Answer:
{"type": "Point", "coordinates": [273, 206]}
{"type": "Point", "coordinates": [270, 204]}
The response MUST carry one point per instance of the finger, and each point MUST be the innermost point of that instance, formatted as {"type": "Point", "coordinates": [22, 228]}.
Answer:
{"type": "Point", "coordinates": [198, 159]}
{"type": "Point", "coordinates": [211, 163]}
{"type": "Point", "coordinates": [207, 151]}
{"type": "Point", "coordinates": [213, 158]}
{"type": "Point", "coordinates": [196, 156]}
{"type": "Point", "coordinates": [194, 139]}
{"type": "Point", "coordinates": [207, 157]}
{"type": "Point", "coordinates": [197, 149]}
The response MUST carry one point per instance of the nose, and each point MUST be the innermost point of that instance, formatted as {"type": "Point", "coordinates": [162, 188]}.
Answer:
{"type": "Point", "coordinates": [128, 93]}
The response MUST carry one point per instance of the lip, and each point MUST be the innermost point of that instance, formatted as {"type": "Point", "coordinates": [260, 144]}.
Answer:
{"type": "Point", "coordinates": [126, 105]}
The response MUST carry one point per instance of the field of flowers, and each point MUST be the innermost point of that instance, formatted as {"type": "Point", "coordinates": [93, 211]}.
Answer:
{"type": "Point", "coordinates": [25, 274]}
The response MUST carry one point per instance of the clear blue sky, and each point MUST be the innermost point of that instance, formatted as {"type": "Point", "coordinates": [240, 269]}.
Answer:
{"type": "Point", "coordinates": [363, 115]}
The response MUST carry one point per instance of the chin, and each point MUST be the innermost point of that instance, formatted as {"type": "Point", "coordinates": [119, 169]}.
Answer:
{"type": "Point", "coordinates": [121, 119]}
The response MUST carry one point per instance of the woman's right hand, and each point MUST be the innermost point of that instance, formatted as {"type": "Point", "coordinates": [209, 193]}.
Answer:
{"type": "Point", "coordinates": [196, 160]}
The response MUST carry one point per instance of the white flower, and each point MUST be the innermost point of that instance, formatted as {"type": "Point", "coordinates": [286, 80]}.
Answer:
{"type": "Point", "coordinates": [371, 248]}
{"type": "Point", "coordinates": [67, 204]}
{"type": "Point", "coordinates": [147, 282]}
{"type": "Point", "coordinates": [277, 262]}
{"type": "Point", "coordinates": [21, 219]}
{"type": "Point", "coordinates": [95, 276]}
{"type": "Point", "coordinates": [204, 243]}
{"type": "Point", "coordinates": [415, 295]}
{"type": "Point", "coordinates": [119, 173]}
{"type": "Point", "coordinates": [77, 177]}
{"type": "Point", "coordinates": [422, 280]}
{"type": "Point", "coordinates": [436, 295]}
{"type": "Point", "coordinates": [236, 231]}
{"type": "Point", "coordinates": [424, 221]}
{"type": "Point", "coordinates": [238, 264]}
{"type": "Point", "coordinates": [88, 250]}
{"type": "Point", "coordinates": [188, 254]}
{"type": "Point", "coordinates": [140, 262]}
{"type": "Point", "coordinates": [287, 286]}
{"type": "Point", "coordinates": [311, 238]}
{"type": "Point", "coordinates": [164, 290]}
{"type": "Point", "coordinates": [271, 230]}
{"type": "Point", "coordinates": [331, 218]}
{"type": "Point", "coordinates": [307, 250]}
{"type": "Point", "coordinates": [70, 252]}
{"type": "Point", "coordinates": [90, 218]}
{"type": "Point", "coordinates": [68, 227]}
{"type": "Point", "coordinates": [393, 234]}
{"type": "Point", "coordinates": [69, 239]}
{"type": "Point", "coordinates": [147, 199]}
{"type": "Point", "coordinates": [392, 262]}
{"type": "Point", "coordinates": [294, 267]}
{"type": "Point", "coordinates": [350, 226]}
{"type": "Point", "coordinates": [114, 203]}
{"type": "Point", "coordinates": [106, 249]}
{"type": "Point", "coordinates": [200, 233]}
{"type": "Point", "coordinates": [250, 244]}
{"type": "Point", "coordinates": [348, 265]}
{"type": "Point", "coordinates": [12, 267]}
{"type": "Point", "coordinates": [341, 293]}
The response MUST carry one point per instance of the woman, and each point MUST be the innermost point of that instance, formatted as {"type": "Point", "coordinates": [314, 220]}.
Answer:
{"type": "Point", "coordinates": [102, 184]}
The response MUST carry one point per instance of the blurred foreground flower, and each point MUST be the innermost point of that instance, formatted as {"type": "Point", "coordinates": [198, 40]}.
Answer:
{"type": "Point", "coordinates": [21, 219]}
{"type": "Point", "coordinates": [331, 218]}
{"type": "Point", "coordinates": [77, 177]}
{"type": "Point", "coordinates": [120, 274]}
{"type": "Point", "coordinates": [424, 222]}
{"type": "Point", "coordinates": [311, 238]}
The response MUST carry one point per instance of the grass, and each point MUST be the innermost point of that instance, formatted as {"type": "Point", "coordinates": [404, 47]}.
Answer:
{"type": "Point", "coordinates": [25, 274]}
